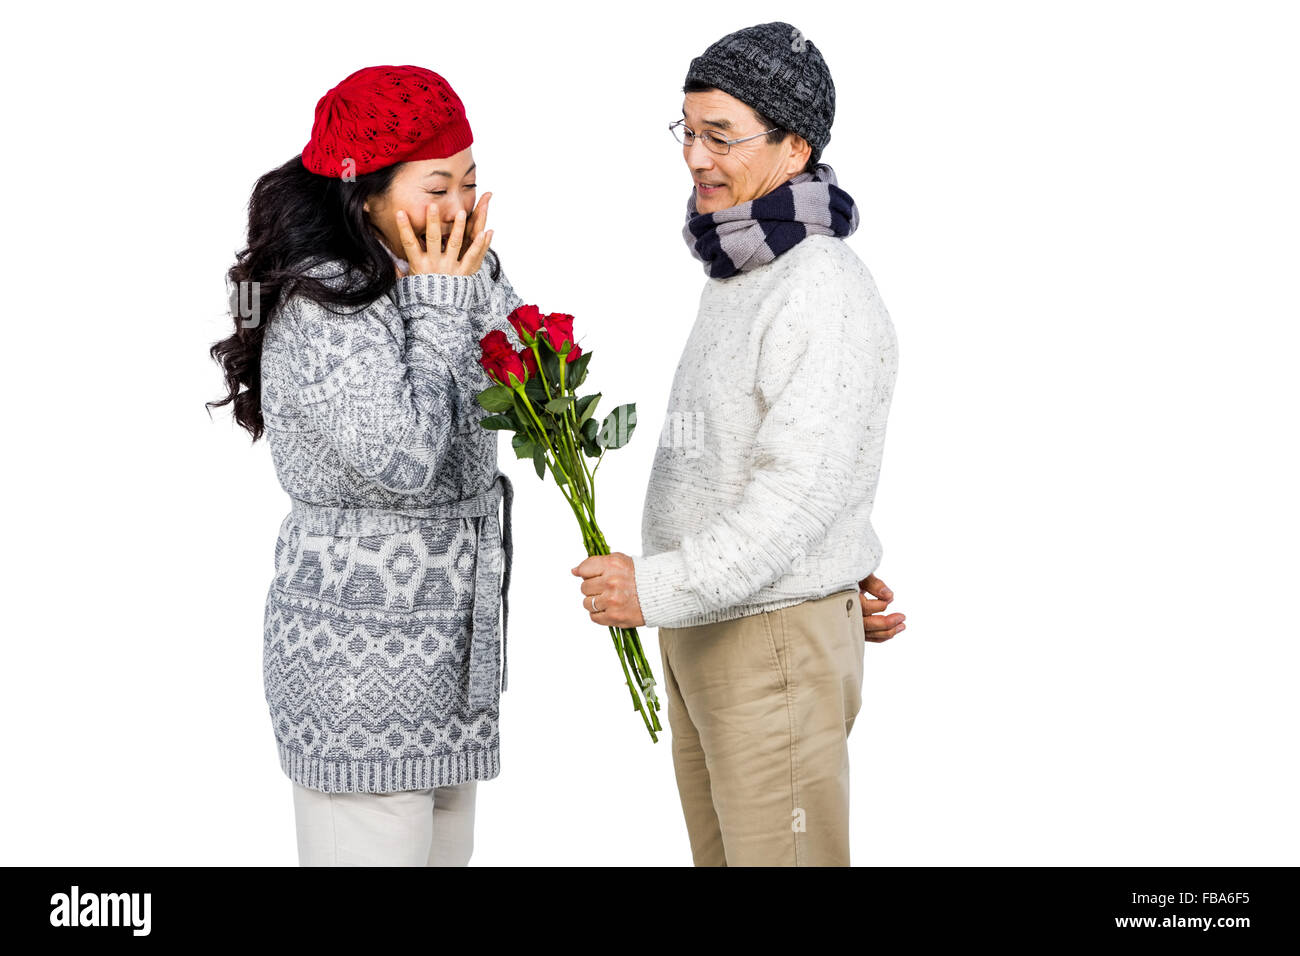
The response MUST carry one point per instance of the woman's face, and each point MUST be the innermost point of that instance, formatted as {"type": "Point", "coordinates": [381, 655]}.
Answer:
{"type": "Point", "coordinates": [448, 183]}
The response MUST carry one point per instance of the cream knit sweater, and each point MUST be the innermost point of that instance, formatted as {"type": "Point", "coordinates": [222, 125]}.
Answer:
{"type": "Point", "coordinates": [762, 486]}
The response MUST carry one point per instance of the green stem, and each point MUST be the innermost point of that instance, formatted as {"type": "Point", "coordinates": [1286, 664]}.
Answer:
{"type": "Point", "coordinates": [566, 436]}
{"type": "Point", "coordinates": [578, 454]}
{"type": "Point", "coordinates": [554, 462]}
{"type": "Point", "coordinates": [579, 490]}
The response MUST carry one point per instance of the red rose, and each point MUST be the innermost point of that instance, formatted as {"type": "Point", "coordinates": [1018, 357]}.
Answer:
{"type": "Point", "coordinates": [506, 369]}
{"type": "Point", "coordinates": [495, 343]}
{"type": "Point", "coordinates": [529, 360]}
{"type": "Point", "coordinates": [527, 320]}
{"type": "Point", "coordinates": [559, 329]}
{"type": "Point", "coordinates": [499, 359]}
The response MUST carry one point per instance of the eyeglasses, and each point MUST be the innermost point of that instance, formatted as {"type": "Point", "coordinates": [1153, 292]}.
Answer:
{"type": "Point", "coordinates": [713, 143]}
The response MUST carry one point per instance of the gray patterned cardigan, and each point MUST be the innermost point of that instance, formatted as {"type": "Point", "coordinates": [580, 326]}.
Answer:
{"type": "Point", "coordinates": [382, 638]}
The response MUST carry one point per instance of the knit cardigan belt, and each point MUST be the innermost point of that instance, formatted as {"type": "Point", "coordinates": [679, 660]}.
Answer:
{"type": "Point", "coordinates": [491, 574]}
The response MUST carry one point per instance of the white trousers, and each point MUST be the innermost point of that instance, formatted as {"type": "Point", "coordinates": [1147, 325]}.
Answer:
{"type": "Point", "coordinates": [405, 828]}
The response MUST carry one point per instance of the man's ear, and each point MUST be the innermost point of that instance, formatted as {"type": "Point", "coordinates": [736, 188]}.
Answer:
{"type": "Point", "coordinates": [802, 151]}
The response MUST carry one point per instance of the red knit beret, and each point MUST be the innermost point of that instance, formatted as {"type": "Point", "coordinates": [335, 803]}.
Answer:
{"type": "Point", "coordinates": [382, 115]}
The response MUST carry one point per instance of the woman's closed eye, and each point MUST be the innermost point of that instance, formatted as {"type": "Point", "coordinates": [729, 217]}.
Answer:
{"type": "Point", "coordinates": [443, 192]}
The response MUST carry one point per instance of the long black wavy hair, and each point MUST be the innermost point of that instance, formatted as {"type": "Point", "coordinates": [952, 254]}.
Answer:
{"type": "Point", "coordinates": [297, 219]}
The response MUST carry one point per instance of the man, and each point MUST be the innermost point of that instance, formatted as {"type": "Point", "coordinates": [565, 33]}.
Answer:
{"type": "Point", "coordinates": [756, 528]}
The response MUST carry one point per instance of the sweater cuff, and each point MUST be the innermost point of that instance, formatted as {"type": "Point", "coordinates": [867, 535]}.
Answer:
{"type": "Point", "coordinates": [436, 289]}
{"type": "Point", "coordinates": [663, 588]}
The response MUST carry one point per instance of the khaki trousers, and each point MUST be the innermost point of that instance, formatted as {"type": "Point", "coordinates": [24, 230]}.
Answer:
{"type": "Point", "coordinates": [760, 709]}
{"type": "Point", "coordinates": [433, 827]}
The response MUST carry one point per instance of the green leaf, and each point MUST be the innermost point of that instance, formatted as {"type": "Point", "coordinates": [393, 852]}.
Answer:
{"type": "Point", "coordinates": [585, 406]}
{"type": "Point", "coordinates": [551, 366]}
{"type": "Point", "coordinates": [616, 430]}
{"type": "Point", "coordinates": [498, 398]}
{"type": "Point", "coordinates": [558, 405]}
{"type": "Point", "coordinates": [539, 461]}
{"type": "Point", "coordinates": [522, 445]}
{"type": "Point", "coordinates": [576, 373]}
{"type": "Point", "coordinates": [590, 428]}
{"type": "Point", "coordinates": [498, 421]}
{"type": "Point", "coordinates": [535, 391]}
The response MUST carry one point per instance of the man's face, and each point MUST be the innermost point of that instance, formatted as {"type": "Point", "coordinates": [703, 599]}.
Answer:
{"type": "Point", "coordinates": [750, 169]}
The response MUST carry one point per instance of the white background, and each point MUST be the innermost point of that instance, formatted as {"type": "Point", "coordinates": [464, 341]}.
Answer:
{"type": "Point", "coordinates": [1082, 218]}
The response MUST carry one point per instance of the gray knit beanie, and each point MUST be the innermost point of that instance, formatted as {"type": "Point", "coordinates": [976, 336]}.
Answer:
{"type": "Point", "coordinates": [774, 69]}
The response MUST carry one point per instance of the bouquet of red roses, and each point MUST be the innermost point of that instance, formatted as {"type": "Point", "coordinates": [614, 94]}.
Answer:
{"type": "Point", "coordinates": [536, 397]}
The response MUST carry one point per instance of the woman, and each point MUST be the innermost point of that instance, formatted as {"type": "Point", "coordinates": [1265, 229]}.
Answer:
{"type": "Point", "coordinates": [380, 650]}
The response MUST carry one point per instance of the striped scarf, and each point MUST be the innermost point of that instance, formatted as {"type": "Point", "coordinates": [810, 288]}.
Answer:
{"type": "Point", "coordinates": [753, 233]}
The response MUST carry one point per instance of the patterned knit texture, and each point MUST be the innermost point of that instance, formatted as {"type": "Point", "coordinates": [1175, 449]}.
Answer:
{"type": "Point", "coordinates": [367, 636]}
{"type": "Point", "coordinates": [763, 482]}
